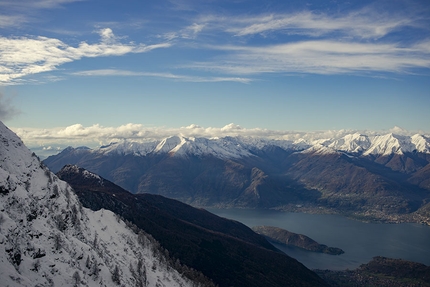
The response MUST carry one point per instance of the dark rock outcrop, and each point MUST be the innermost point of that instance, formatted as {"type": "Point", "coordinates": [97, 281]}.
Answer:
{"type": "Point", "coordinates": [282, 236]}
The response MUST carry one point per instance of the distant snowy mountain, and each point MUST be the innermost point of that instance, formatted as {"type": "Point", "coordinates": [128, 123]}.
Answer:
{"type": "Point", "coordinates": [376, 176]}
{"type": "Point", "coordinates": [236, 147]}
{"type": "Point", "coordinates": [48, 239]}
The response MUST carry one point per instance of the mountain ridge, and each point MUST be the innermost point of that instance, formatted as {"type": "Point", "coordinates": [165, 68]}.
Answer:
{"type": "Point", "coordinates": [376, 177]}
{"type": "Point", "coordinates": [240, 146]}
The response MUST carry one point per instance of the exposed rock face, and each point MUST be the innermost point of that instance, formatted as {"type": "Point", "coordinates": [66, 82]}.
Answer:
{"type": "Point", "coordinates": [282, 236]}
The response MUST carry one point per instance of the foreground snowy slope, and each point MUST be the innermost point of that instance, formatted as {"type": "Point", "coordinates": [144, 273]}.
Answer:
{"type": "Point", "coordinates": [48, 239]}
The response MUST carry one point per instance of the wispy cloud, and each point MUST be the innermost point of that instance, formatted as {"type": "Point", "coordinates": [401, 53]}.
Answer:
{"type": "Point", "coordinates": [361, 41]}
{"type": "Point", "coordinates": [15, 13]}
{"type": "Point", "coordinates": [189, 32]}
{"type": "Point", "coordinates": [11, 20]}
{"type": "Point", "coordinates": [183, 78]}
{"type": "Point", "coordinates": [365, 23]}
{"type": "Point", "coordinates": [34, 4]}
{"type": "Point", "coordinates": [320, 57]}
{"type": "Point", "coordinates": [24, 56]}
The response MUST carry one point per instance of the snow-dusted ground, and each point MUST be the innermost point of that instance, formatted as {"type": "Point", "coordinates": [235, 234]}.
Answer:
{"type": "Point", "coordinates": [48, 239]}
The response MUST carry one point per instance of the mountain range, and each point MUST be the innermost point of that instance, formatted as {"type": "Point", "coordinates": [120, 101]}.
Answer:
{"type": "Point", "coordinates": [373, 177]}
{"type": "Point", "coordinates": [94, 233]}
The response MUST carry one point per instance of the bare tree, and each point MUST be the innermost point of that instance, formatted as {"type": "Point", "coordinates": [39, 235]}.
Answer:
{"type": "Point", "coordinates": [88, 262]}
{"type": "Point", "coordinates": [76, 279]}
{"type": "Point", "coordinates": [95, 269]}
{"type": "Point", "coordinates": [116, 277]}
{"type": "Point", "coordinates": [58, 243]}
{"type": "Point", "coordinates": [2, 219]}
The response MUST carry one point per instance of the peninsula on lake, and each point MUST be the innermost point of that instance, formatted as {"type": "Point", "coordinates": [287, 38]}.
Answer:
{"type": "Point", "coordinates": [282, 236]}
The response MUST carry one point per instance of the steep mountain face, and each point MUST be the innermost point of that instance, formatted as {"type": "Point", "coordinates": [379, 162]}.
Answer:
{"type": "Point", "coordinates": [354, 184]}
{"type": "Point", "coordinates": [379, 177]}
{"type": "Point", "coordinates": [226, 251]}
{"type": "Point", "coordinates": [47, 238]}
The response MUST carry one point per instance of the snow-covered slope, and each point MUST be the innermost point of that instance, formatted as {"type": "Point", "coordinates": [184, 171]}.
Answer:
{"type": "Point", "coordinates": [354, 143]}
{"type": "Point", "coordinates": [48, 239]}
{"type": "Point", "coordinates": [236, 147]}
{"type": "Point", "coordinates": [391, 144]}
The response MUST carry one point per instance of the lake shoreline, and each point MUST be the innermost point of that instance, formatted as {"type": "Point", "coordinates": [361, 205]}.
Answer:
{"type": "Point", "coordinates": [360, 240]}
{"type": "Point", "coordinates": [363, 217]}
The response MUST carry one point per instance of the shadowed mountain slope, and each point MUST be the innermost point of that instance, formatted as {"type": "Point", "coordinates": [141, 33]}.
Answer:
{"type": "Point", "coordinates": [226, 251]}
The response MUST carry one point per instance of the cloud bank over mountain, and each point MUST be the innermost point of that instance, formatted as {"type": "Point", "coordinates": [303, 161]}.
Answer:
{"type": "Point", "coordinates": [97, 135]}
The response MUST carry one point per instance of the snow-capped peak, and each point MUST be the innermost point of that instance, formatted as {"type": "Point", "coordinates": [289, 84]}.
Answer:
{"type": "Point", "coordinates": [167, 144]}
{"type": "Point", "coordinates": [390, 144]}
{"type": "Point", "coordinates": [422, 143]}
{"type": "Point", "coordinates": [353, 143]}
{"type": "Point", "coordinates": [48, 239]}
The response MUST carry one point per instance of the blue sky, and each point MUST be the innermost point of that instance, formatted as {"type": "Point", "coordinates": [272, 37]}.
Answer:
{"type": "Point", "coordinates": [75, 69]}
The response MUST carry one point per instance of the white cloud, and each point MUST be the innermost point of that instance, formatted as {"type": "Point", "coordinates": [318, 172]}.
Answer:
{"type": "Point", "coordinates": [107, 35]}
{"type": "Point", "coordinates": [24, 56]}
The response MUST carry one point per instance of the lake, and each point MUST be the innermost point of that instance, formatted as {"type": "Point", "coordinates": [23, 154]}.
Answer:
{"type": "Point", "coordinates": [360, 241]}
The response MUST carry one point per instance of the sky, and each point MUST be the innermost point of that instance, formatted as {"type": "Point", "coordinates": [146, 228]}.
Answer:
{"type": "Point", "coordinates": [82, 71]}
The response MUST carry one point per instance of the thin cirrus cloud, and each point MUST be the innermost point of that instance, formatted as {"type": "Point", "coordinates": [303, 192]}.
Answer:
{"type": "Point", "coordinates": [24, 56]}
{"type": "Point", "coordinates": [34, 4]}
{"type": "Point", "coordinates": [364, 23]}
{"type": "Point", "coordinates": [358, 42]}
{"type": "Point", "coordinates": [189, 32]}
{"type": "Point", "coordinates": [182, 78]}
{"type": "Point", "coordinates": [15, 13]}
{"type": "Point", "coordinates": [320, 57]}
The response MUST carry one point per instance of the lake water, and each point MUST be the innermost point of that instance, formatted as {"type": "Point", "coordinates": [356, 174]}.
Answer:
{"type": "Point", "coordinates": [360, 241]}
